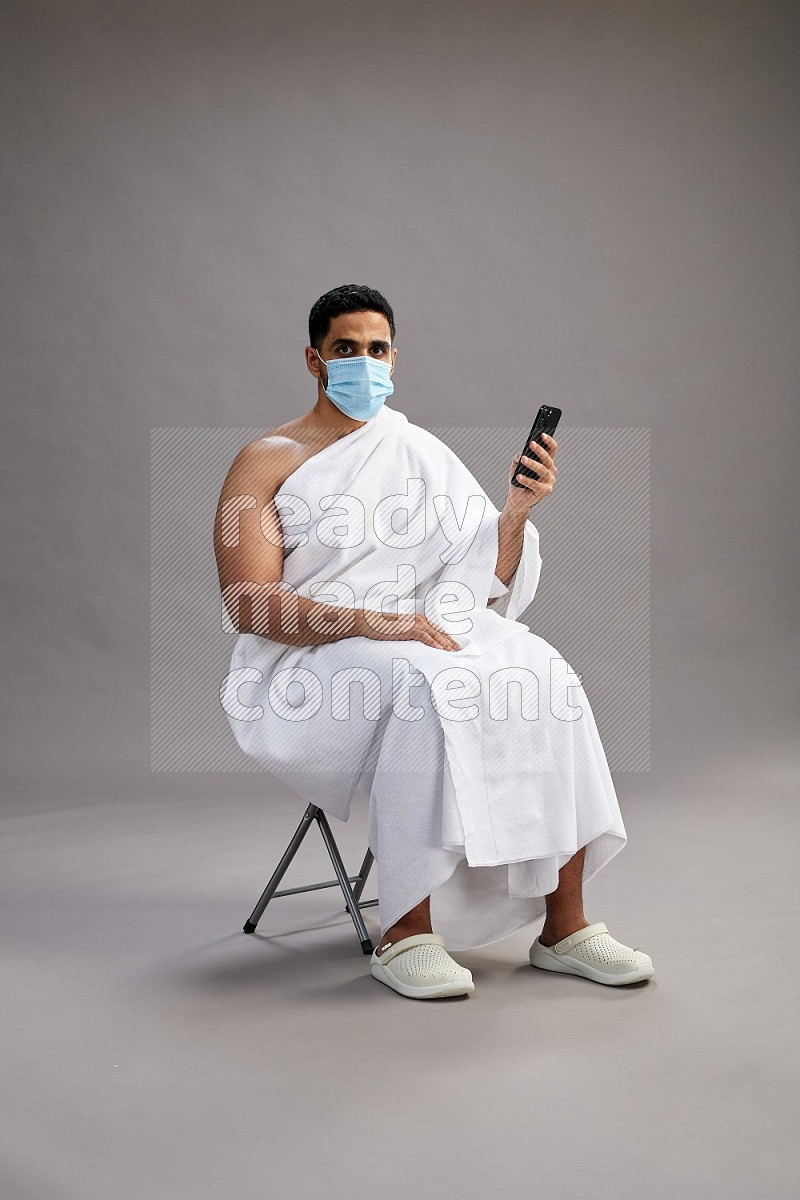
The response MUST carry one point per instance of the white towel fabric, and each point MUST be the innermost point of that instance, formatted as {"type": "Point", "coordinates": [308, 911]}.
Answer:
{"type": "Point", "coordinates": [478, 794]}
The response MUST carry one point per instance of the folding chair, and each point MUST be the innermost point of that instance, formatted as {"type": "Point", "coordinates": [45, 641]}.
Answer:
{"type": "Point", "coordinates": [352, 895]}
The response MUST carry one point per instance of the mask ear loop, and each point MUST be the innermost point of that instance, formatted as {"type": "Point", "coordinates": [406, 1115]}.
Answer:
{"type": "Point", "coordinates": [322, 360]}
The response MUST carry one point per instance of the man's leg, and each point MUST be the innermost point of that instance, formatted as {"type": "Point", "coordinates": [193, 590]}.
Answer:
{"type": "Point", "coordinates": [564, 909]}
{"type": "Point", "coordinates": [417, 920]}
{"type": "Point", "coordinates": [565, 912]}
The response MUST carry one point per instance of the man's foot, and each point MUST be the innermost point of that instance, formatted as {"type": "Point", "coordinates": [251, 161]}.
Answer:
{"type": "Point", "coordinates": [595, 954]}
{"type": "Point", "coordinates": [419, 967]}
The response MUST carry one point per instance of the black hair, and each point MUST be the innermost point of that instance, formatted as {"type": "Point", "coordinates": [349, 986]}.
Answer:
{"type": "Point", "coordinates": [350, 297]}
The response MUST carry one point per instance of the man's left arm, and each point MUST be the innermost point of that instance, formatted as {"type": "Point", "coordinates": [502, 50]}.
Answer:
{"type": "Point", "coordinates": [519, 502]}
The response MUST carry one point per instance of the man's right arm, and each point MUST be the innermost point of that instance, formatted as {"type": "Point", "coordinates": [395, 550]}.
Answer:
{"type": "Point", "coordinates": [248, 544]}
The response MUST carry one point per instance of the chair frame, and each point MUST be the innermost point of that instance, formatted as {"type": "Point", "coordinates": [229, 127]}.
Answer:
{"type": "Point", "coordinates": [352, 895]}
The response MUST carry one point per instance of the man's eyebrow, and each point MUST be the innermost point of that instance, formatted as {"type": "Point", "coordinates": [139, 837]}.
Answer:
{"type": "Point", "coordinates": [352, 342]}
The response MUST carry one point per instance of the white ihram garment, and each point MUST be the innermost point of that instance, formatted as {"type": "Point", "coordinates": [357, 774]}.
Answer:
{"type": "Point", "coordinates": [475, 804]}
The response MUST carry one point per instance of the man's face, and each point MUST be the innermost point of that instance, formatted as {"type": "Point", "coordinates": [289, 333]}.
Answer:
{"type": "Point", "coordinates": [350, 336]}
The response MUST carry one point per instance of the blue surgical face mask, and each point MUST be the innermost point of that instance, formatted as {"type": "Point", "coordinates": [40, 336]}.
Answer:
{"type": "Point", "coordinates": [358, 386]}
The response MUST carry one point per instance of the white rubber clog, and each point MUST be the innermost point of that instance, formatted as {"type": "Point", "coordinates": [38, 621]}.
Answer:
{"type": "Point", "coordinates": [595, 954]}
{"type": "Point", "coordinates": [419, 967]}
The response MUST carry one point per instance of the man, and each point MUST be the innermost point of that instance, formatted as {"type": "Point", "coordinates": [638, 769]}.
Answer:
{"type": "Point", "coordinates": [481, 817]}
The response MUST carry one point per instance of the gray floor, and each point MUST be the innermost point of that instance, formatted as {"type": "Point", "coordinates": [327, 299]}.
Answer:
{"type": "Point", "coordinates": [153, 1048]}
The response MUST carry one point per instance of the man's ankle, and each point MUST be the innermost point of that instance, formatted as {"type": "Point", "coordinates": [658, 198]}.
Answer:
{"type": "Point", "coordinates": [553, 932]}
{"type": "Point", "coordinates": [397, 934]}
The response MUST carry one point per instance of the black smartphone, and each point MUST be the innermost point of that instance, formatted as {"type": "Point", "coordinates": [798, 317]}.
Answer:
{"type": "Point", "coordinates": [546, 421]}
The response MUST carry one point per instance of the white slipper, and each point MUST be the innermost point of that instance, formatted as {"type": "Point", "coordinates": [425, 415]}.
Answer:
{"type": "Point", "coordinates": [595, 954]}
{"type": "Point", "coordinates": [420, 967]}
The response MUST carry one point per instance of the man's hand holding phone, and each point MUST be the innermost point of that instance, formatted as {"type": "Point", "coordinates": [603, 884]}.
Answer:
{"type": "Point", "coordinates": [528, 490]}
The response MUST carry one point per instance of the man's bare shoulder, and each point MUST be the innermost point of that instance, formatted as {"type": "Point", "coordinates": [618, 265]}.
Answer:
{"type": "Point", "coordinates": [271, 458]}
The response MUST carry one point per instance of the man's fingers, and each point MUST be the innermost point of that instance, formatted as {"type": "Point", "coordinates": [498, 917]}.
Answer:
{"type": "Point", "coordinates": [542, 455]}
{"type": "Point", "coordinates": [530, 484]}
{"type": "Point", "coordinates": [444, 638]}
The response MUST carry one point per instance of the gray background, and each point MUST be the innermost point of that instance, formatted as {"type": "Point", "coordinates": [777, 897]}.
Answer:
{"type": "Point", "coordinates": [587, 204]}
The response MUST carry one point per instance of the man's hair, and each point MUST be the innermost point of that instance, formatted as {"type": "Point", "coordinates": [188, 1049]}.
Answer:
{"type": "Point", "coordinates": [350, 297]}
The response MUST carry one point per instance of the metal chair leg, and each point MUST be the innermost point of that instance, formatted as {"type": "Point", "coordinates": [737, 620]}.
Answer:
{"type": "Point", "coordinates": [279, 872]}
{"type": "Point", "coordinates": [352, 895]}
{"type": "Point", "coordinates": [344, 882]}
{"type": "Point", "coordinates": [363, 873]}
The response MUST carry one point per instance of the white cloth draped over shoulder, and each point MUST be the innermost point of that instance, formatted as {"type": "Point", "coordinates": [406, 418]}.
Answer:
{"type": "Point", "coordinates": [483, 767]}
